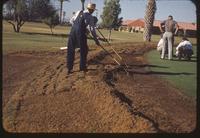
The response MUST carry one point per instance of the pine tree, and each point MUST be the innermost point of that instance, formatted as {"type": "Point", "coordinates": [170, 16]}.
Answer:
{"type": "Point", "coordinates": [149, 19]}
{"type": "Point", "coordinates": [110, 13]}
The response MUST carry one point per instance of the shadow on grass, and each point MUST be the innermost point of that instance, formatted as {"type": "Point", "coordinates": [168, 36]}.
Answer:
{"type": "Point", "coordinates": [148, 65]}
{"type": "Point", "coordinates": [100, 39]}
{"type": "Point", "coordinates": [193, 56]}
{"type": "Point", "coordinates": [48, 34]}
{"type": "Point", "coordinates": [160, 73]}
{"type": "Point", "coordinates": [169, 73]}
{"type": "Point", "coordinates": [140, 68]}
{"type": "Point", "coordinates": [185, 60]}
{"type": "Point", "coordinates": [123, 65]}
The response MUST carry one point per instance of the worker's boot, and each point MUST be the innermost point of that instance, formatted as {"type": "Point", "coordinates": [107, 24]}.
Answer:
{"type": "Point", "coordinates": [69, 72]}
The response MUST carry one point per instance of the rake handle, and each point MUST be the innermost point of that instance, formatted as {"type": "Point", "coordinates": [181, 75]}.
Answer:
{"type": "Point", "coordinates": [111, 54]}
{"type": "Point", "coordinates": [109, 44]}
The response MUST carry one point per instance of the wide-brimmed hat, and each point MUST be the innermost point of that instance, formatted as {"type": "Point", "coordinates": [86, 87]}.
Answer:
{"type": "Point", "coordinates": [91, 6]}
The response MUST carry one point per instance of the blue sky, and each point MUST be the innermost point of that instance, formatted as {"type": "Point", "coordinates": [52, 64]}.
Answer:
{"type": "Point", "coordinates": [181, 10]}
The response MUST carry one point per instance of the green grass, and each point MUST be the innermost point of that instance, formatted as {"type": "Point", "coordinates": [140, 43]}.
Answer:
{"type": "Point", "coordinates": [37, 37]}
{"type": "Point", "coordinates": [181, 74]}
{"type": "Point", "coordinates": [33, 36]}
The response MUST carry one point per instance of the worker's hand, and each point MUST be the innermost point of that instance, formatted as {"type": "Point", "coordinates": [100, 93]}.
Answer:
{"type": "Point", "coordinates": [87, 32]}
{"type": "Point", "coordinates": [97, 43]}
{"type": "Point", "coordinates": [105, 40]}
{"type": "Point", "coordinates": [101, 39]}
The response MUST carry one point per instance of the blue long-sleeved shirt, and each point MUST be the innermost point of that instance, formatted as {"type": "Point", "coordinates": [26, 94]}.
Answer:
{"type": "Point", "coordinates": [89, 21]}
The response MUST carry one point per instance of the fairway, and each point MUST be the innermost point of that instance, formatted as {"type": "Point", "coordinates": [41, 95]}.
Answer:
{"type": "Point", "coordinates": [181, 74]}
{"type": "Point", "coordinates": [37, 37]}
{"type": "Point", "coordinates": [33, 37]}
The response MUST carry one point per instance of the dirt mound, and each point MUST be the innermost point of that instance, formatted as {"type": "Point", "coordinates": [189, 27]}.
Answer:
{"type": "Point", "coordinates": [38, 96]}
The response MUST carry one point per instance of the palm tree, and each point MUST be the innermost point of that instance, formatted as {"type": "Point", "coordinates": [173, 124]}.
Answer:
{"type": "Point", "coordinates": [61, 9]}
{"type": "Point", "coordinates": [82, 1]}
{"type": "Point", "coordinates": [149, 19]}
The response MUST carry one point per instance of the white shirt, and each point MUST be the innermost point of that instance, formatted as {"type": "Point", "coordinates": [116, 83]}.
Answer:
{"type": "Point", "coordinates": [74, 17]}
{"type": "Point", "coordinates": [160, 45]}
{"type": "Point", "coordinates": [184, 43]}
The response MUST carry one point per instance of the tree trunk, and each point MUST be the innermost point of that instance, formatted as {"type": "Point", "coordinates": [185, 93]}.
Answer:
{"type": "Point", "coordinates": [51, 30]}
{"type": "Point", "coordinates": [109, 35]}
{"type": "Point", "coordinates": [18, 25]}
{"type": "Point", "coordinates": [63, 16]}
{"type": "Point", "coordinates": [82, 6]}
{"type": "Point", "coordinates": [61, 7]}
{"type": "Point", "coordinates": [82, 2]}
{"type": "Point", "coordinates": [184, 32]}
{"type": "Point", "coordinates": [149, 19]}
{"type": "Point", "coordinates": [18, 28]}
{"type": "Point", "coordinates": [14, 28]}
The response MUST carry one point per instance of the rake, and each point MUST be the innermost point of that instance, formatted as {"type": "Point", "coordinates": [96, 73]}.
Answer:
{"type": "Point", "coordinates": [112, 57]}
{"type": "Point", "coordinates": [112, 48]}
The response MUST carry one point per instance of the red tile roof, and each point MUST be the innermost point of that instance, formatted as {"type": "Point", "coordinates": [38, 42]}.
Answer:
{"type": "Point", "coordinates": [140, 22]}
{"type": "Point", "coordinates": [156, 23]}
{"type": "Point", "coordinates": [188, 26]}
{"type": "Point", "coordinates": [126, 22]}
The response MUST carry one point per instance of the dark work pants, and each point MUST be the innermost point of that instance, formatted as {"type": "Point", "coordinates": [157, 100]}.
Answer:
{"type": "Point", "coordinates": [77, 39]}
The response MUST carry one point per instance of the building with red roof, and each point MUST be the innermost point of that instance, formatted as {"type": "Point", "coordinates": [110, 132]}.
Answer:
{"type": "Point", "coordinates": [189, 29]}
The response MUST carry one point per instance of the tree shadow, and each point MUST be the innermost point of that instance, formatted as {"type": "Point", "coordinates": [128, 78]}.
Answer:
{"type": "Point", "coordinates": [185, 60]}
{"type": "Point", "coordinates": [147, 65]}
{"type": "Point", "coordinates": [169, 73]}
{"type": "Point", "coordinates": [93, 62]}
{"type": "Point", "coordinates": [193, 56]}
{"type": "Point", "coordinates": [48, 34]}
{"type": "Point", "coordinates": [159, 73]}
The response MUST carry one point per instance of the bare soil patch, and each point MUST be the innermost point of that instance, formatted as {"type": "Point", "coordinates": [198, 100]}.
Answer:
{"type": "Point", "coordinates": [38, 96]}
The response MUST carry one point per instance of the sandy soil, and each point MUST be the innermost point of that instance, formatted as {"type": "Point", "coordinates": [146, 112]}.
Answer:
{"type": "Point", "coordinates": [38, 95]}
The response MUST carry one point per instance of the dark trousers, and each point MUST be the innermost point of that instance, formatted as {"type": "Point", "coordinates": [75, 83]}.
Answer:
{"type": "Point", "coordinates": [77, 40]}
{"type": "Point", "coordinates": [185, 53]}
